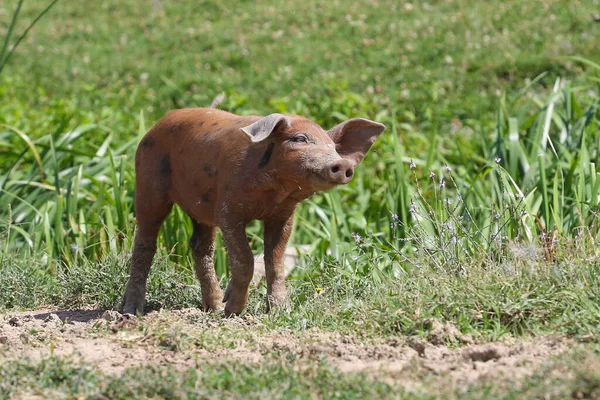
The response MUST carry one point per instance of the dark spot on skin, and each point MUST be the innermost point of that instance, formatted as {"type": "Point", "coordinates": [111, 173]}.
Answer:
{"type": "Point", "coordinates": [214, 124]}
{"type": "Point", "coordinates": [211, 172]}
{"type": "Point", "coordinates": [174, 128]}
{"type": "Point", "coordinates": [200, 123]}
{"type": "Point", "coordinates": [266, 157]}
{"type": "Point", "coordinates": [148, 142]}
{"type": "Point", "coordinates": [206, 197]}
{"type": "Point", "coordinates": [165, 165]}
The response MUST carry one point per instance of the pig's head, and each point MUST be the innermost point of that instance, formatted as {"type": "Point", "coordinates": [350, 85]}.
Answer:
{"type": "Point", "coordinates": [298, 152]}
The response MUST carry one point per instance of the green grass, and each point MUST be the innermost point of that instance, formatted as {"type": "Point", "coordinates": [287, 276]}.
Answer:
{"type": "Point", "coordinates": [571, 375]}
{"type": "Point", "coordinates": [55, 376]}
{"type": "Point", "coordinates": [478, 206]}
{"type": "Point", "coordinates": [69, 134]}
{"type": "Point", "coordinates": [489, 302]}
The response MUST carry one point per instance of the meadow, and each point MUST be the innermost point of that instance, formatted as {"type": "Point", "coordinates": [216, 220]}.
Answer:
{"type": "Point", "coordinates": [477, 209]}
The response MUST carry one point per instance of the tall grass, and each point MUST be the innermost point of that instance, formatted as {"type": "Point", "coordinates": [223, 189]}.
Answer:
{"type": "Point", "coordinates": [535, 181]}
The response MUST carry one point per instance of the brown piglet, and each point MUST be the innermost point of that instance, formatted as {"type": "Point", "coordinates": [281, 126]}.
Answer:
{"type": "Point", "coordinates": [226, 170]}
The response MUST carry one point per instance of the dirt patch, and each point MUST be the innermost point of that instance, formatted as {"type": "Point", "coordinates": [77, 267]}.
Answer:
{"type": "Point", "coordinates": [466, 365]}
{"type": "Point", "coordinates": [190, 339]}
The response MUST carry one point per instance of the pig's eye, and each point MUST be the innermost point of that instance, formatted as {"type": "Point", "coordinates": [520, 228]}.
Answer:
{"type": "Point", "coordinates": [302, 138]}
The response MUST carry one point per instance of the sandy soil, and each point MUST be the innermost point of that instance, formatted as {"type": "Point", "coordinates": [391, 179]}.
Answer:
{"type": "Point", "coordinates": [114, 342]}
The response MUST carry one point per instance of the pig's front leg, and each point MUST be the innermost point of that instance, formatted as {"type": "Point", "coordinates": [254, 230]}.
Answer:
{"type": "Point", "coordinates": [277, 234]}
{"type": "Point", "coordinates": [202, 244]}
{"type": "Point", "coordinates": [242, 266]}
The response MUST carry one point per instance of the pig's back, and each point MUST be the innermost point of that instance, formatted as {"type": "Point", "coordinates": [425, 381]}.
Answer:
{"type": "Point", "coordinates": [197, 149]}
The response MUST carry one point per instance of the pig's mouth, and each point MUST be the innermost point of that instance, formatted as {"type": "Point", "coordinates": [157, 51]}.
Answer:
{"type": "Point", "coordinates": [321, 183]}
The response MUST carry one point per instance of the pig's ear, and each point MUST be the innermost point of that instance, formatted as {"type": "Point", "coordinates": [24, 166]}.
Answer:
{"type": "Point", "coordinates": [263, 128]}
{"type": "Point", "coordinates": [354, 138]}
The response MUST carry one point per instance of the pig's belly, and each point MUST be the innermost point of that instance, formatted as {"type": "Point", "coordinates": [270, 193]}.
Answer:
{"type": "Point", "coordinates": [199, 205]}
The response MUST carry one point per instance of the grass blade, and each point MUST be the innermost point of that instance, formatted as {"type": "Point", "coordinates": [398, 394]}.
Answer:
{"type": "Point", "coordinates": [30, 144]}
{"type": "Point", "coordinates": [11, 27]}
{"type": "Point", "coordinates": [4, 61]}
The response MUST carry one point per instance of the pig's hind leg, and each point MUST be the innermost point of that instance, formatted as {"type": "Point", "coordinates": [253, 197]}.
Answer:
{"type": "Point", "coordinates": [144, 248]}
{"type": "Point", "coordinates": [202, 244]}
{"type": "Point", "coordinates": [152, 206]}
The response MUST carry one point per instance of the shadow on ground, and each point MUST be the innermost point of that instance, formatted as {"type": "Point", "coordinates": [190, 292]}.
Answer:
{"type": "Point", "coordinates": [70, 315]}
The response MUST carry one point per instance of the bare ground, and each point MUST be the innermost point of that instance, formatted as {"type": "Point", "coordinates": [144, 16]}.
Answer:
{"type": "Point", "coordinates": [189, 338]}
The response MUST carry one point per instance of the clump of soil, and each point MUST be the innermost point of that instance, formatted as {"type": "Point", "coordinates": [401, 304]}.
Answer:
{"type": "Point", "coordinates": [445, 333]}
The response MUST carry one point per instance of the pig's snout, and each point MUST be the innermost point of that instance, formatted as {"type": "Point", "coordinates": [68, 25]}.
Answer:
{"type": "Point", "coordinates": [340, 172]}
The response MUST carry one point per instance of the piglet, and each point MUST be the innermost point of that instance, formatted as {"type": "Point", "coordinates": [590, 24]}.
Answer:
{"type": "Point", "coordinates": [226, 170]}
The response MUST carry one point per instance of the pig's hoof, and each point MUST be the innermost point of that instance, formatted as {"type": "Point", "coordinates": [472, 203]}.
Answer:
{"type": "Point", "coordinates": [231, 308]}
{"type": "Point", "coordinates": [234, 302]}
{"type": "Point", "coordinates": [133, 311]}
{"type": "Point", "coordinates": [279, 301]}
{"type": "Point", "coordinates": [229, 313]}
{"type": "Point", "coordinates": [212, 301]}
{"type": "Point", "coordinates": [133, 307]}
{"type": "Point", "coordinates": [212, 307]}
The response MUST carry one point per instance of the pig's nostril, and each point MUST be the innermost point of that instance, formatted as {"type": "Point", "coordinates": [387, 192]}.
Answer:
{"type": "Point", "coordinates": [340, 172]}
